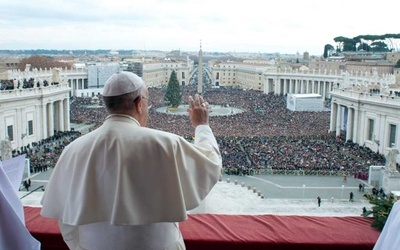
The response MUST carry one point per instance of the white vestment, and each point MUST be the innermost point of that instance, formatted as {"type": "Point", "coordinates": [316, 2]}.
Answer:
{"type": "Point", "coordinates": [389, 239]}
{"type": "Point", "coordinates": [123, 175]}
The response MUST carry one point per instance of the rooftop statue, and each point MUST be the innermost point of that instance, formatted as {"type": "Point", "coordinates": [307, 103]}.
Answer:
{"type": "Point", "coordinates": [5, 149]}
{"type": "Point", "coordinates": [391, 160]}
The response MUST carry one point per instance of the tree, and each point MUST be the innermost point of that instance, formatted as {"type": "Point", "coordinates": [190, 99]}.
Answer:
{"type": "Point", "coordinates": [328, 49]}
{"type": "Point", "coordinates": [174, 94]}
{"type": "Point", "coordinates": [373, 43]}
{"type": "Point", "coordinates": [397, 64]}
{"type": "Point", "coordinates": [379, 46]}
{"type": "Point", "coordinates": [380, 210]}
{"type": "Point", "coordinates": [345, 44]}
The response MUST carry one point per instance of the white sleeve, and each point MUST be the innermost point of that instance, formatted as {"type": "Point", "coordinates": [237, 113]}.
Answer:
{"type": "Point", "coordinates": [204, 138]}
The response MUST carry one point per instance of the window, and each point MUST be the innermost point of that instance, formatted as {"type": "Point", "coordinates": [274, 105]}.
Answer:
{"type": "Point", "coordinates": [10, 133]}
{"type": "Point", "coordinates": [370, 129]}
{"type": "Point", "coordinates": [392, 135]}
{"type": "Point", "coordinates": [30, 127]}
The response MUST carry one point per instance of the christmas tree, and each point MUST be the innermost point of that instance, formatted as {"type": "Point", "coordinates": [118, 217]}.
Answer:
{"type": "Point", "coordinates": [173, 96]}
{"type": "Point", "coordinates": [380, 209]}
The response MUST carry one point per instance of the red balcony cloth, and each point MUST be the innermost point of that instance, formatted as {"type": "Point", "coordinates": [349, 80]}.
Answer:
{"type": "Point", "coordinates": [211, 231]}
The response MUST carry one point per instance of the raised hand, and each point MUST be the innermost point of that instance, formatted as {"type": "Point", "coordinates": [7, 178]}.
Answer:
{"type": "Point", "coordinates": [198, 110]}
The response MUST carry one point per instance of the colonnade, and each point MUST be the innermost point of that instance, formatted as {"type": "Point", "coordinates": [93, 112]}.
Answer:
{"type": "Point", "coordinates": [77, 84]}
{"type": "Point", "coordinates": [370, 120]}
{"type": "Point", "coordinates": [55, 117]}
{"type": "Point", "coordinates": [285, 84]}
{"type": "Point", "coordinates": [345, 118]}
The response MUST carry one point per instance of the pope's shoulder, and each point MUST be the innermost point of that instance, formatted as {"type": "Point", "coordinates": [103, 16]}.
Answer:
{"type": "Point", "coordinates": [123, 134]}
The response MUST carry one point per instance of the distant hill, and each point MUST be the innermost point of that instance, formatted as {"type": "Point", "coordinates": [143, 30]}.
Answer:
{"type": "Point", "coordinates": [63, 52]}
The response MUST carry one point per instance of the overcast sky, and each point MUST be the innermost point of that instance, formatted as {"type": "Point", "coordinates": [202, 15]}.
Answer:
{"type": "Point", "coordinates": [285, 26]}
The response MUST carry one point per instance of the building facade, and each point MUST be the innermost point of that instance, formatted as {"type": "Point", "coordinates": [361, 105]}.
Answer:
{"type": "Point", "coordinates": [29, 115]}
{"type": "Point", "coordinates": [272, 79]}
{"type": "Point", "coordinates": [157, 74]}
{"type": "Point", "coordinates": [245, 75]}
{"type": "Point", "coordinates": [368, 116]}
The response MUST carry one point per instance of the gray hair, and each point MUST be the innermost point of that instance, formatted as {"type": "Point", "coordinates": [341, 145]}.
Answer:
{"type": "Point", "coordinates": [122, 103]}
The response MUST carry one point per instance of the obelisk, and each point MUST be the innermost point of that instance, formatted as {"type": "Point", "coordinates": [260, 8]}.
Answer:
{"type": "Point", "coordinates": [200, 72]}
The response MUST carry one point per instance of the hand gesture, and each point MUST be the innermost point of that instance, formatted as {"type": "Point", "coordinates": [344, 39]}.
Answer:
{"type": "Point", "coordinates": [198, 110]}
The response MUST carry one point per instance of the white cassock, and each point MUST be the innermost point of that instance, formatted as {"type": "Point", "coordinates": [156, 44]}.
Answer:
{"type": "Point", "coordinates": [123, 186]}
{"type": "Point", "coordinates": [13, 233]}
{"type": "Point", "coordinates": [389, 239]}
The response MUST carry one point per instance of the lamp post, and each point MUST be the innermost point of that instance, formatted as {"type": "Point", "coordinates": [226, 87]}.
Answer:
{"type": "Point", "coordinates": [166, 106]}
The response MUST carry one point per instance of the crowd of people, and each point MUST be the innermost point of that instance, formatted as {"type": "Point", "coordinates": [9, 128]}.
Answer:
{"type": "Point", "coordinates": [267, 136]}
{"type": "Point", "coordinates": [44, 154]}
{"type": "Point", "coordinates": [23, 84]}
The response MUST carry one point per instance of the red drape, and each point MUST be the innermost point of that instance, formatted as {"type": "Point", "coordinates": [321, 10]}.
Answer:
{"type": "Point", "coordinates": [211, 231]}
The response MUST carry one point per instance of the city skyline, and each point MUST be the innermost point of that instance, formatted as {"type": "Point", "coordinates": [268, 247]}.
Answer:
{"type": "Point", "coordinates": [285, 27]}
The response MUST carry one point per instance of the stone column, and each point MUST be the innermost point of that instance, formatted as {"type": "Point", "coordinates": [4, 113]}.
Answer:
{"type": "Point", "coordinates": [278, 85]}
{"type": "Point", "coordinates": [355, 127]}
{"type": "Point", "coordinates": [293, 86]}
{"type": "Point", "coordinates": [383, 140]}
{"type": "Point", "coordinates": [349, 126]}
{"type": "Point", "coordinates": [50, 120]}
{"type": "Point", "coordinates": [285, 86]}
{"type": "Point", "coordinates": [363, 127]}
{"type": "Point", "coordinates": [44, 122]}
{"type": "Point", "coordinates": [333, 116]}
{"type": "Point", "coordinates": [307, 82]}
{"type": "Point", "coordinates": [338, 119]}
{"type": "Point", "coordinates": [61, 115]}
{"type": "Point", "coordinates": [67, 124]}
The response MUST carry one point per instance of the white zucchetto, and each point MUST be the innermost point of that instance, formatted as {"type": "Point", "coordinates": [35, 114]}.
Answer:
{"type": "Point", "coordinates": [122, 83]}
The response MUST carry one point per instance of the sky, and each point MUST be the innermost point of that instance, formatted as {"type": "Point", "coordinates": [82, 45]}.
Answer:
{"type": "Point", "coordinates": [284, 26]}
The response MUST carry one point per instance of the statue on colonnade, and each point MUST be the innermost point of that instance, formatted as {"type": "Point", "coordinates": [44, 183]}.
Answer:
{"type": "Point", "coordinates": [391, 160]}
{"type": "Point", "coordinates": [5, 149]}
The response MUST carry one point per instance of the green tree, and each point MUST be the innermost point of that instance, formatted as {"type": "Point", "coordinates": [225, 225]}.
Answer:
{"type": "Point", "coordinates": [379, 46]}
{"type": "Point", "coordinates": [397, 64]}
{"type": "Point", "coordinates": [328, 50]}
{"type": "Point", "coordinates": [380, 210]}
{"type": "Point", "coordinates": [345, 44]}
{"type": "Point", "coordinates": [173, 96]}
